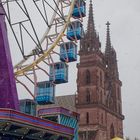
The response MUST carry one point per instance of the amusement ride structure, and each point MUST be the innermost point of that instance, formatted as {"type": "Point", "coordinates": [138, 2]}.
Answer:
{"type": "Point", "coordinates": [48, 56]}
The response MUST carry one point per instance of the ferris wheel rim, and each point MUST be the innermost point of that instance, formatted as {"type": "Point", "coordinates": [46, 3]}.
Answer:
{"type": "Point", "coordinates": [43, 38]}
{"type": "Point", "coordinates": [46, 53]}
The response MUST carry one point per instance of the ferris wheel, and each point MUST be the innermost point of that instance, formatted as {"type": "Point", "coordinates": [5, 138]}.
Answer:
{"type": "Point", "coordinates": [46, 35]}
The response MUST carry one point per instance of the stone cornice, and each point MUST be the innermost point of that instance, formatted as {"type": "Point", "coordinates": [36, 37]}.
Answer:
{"type": "Point", "coordinates": [91, 64]}
{"type": "Point", "coordinates": [98, 105]}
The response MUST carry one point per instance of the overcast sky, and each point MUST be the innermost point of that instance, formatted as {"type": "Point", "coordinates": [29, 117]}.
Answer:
{"type": "Point", "coordinates": [124, 16]}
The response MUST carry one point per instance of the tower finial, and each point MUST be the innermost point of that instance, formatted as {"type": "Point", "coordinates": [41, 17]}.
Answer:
{"type": "Point", "coordinates": [90, 27]}
{"type": "Point", "coordinates": [108, 24]}
{"type": "Point", "coordinates": [108, 41]}
{"type": "Point", "coordinates": [90, 1]}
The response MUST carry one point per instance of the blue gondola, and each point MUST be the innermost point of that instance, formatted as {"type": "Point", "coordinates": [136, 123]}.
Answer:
{"type": "Point", "coordinates": [75, 31]}
{"type": "Point", "coordinates": [68, 52]}
{"type": "Point", "coordinates": [45, 93]}
{"type": "Point", "coordinates": [59, 73]}
{"type": "Point", "coordinates": [79, 9]}
{"type": "Point", "coordinates": [28, 106]}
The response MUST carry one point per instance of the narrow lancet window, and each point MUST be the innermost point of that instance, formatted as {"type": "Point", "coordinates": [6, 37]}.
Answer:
{"type": "Point", "coordinates": [87, 77]}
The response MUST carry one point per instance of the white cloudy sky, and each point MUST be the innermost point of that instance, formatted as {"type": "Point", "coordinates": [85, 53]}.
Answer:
{"type": "Point", "coordinates": [124, 16]}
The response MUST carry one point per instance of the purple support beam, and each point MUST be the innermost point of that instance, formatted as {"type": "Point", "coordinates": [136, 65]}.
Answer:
{"type": "Point", "coordinates": [8, 91]}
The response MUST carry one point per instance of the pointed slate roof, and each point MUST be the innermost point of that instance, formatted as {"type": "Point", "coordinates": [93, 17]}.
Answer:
{"type": "Point", "coordinates": [66, 101]}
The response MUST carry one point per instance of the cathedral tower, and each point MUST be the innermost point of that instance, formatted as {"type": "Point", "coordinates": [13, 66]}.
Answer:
{"type": "Point", "coordinates": [99, 88]}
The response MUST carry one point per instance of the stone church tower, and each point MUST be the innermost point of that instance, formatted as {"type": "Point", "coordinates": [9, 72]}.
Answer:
{"type": "Point", "coordinates": [99, 89]}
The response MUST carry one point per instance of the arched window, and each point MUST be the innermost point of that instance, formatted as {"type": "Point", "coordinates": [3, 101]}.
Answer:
{"type": "Point", "coordinates": [102, 119]}
{"type": "Point", "coordinates": [87, 77]}
{"type": "Point", "coordinates": [111, 104]}
{"type": "Point", "coordinates": [87, 118]}
{"type": "Point", "coordinates": [119, 107]}
{"type": "Point", "coordinates": [112, 132]}
{"type": "Point", "coordinates": [88, 96]}
{"type": "Point", "coordinates": [101, 100]}
{"type": "Point", "coordinates": [101, 78]}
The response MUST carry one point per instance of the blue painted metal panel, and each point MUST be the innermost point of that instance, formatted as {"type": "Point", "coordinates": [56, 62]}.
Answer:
{"type": "Point", "coordinates": [64, 116]}
{"type": "Point", "coordinates": [75, 31]}
{"type": "Point", "coordinates": [70, 122]}
{"type": "Point", "coordinates": [68, 52]}
{"type": "Point", "coordinates": [28, 106]}
{"type": "Point", "coordinates": [79, 9]}
{"type": "Point", "coordinates": [45, 93]}
{"type": "Point", "coordinates": [59, 73]}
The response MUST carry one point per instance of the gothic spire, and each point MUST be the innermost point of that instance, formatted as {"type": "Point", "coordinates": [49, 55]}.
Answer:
{"type": "Point", "coordinates": [108, 41]}
{"type": "Point", "coordinates": [90, 42]}
{"type": "Point", "coordinates": [110, 55]}
{"type": "Point", "coordinates": [91, 32]}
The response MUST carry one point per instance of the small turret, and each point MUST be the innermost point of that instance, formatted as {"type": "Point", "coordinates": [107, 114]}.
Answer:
{"type": "Point", "coordinates": [108, 42]}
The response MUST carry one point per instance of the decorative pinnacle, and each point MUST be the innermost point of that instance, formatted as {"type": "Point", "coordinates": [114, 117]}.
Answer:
{"type": "Point", "coordinates": [108, 24]}
{"type": "Point", "coordinates": [90, 28]}
{"type": "Point", "coordinates": [108, 41]}
{"type": "Point", "coordinates": [90, 1]}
